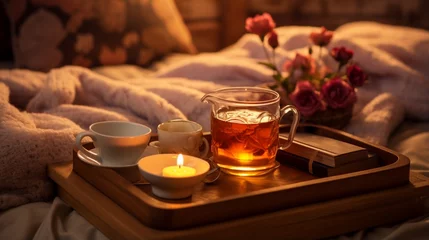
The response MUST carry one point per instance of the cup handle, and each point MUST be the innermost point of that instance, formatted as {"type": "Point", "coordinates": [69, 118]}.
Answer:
{"type": "Point", "coordinates": [79, 138]}
{"type": "Point", "coordinates": [203, 153]}
{"type": "Point", "coordinates": [293, 127]}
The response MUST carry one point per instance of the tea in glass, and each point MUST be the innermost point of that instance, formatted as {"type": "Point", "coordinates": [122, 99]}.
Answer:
{"type": "Point", "coordinates": [245, 129]}
{"type": "Point", "coordinates": [238, 145]}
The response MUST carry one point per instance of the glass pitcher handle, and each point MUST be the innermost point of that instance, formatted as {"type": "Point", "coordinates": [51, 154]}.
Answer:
{"type": "Point", "coordinates": [293, 127]}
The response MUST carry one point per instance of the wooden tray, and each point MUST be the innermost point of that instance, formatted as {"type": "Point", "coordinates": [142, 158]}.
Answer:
{"type": "Point", "coordinates": [314, 221]}
{"type": "Point", "coordinates": [234, 197]}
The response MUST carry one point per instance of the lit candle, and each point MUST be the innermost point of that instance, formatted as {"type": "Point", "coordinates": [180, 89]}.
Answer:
{"type": "Point", "coordinates": [179, 170]}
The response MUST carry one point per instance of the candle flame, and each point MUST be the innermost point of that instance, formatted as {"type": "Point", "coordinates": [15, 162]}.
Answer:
{"type": "Point", "coordinates": [180, 160]}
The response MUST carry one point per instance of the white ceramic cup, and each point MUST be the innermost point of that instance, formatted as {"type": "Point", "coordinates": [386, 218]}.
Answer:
{"type": "Point", "coordinates": [118, 143]}
{"type": "Point", "coordinates": [181, 136]}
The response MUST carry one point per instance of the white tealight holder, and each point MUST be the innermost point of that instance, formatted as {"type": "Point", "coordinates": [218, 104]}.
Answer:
{"type": "Point", "coordinates": [151, 167]}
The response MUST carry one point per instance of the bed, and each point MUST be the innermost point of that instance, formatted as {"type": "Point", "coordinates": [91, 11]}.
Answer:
{"type": "Point", "coordinates": [42, 111]}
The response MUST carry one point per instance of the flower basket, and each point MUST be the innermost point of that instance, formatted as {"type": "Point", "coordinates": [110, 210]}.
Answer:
{"type": "Point", "coordinates": [322, 95]}
{"type": "Point", "coordinates": [333, 118]}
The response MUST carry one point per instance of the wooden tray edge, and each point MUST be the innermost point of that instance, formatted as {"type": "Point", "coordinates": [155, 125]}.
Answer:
{"type": "Point", "coordinates": [331, 223]}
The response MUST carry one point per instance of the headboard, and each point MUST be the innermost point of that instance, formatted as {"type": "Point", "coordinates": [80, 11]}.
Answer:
{"type": "Point", "coordinates": [333, 13]}
{"type": "Point", "coordinates": [215, 24]}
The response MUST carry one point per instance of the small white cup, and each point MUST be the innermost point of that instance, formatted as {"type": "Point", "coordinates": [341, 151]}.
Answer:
{"type": "Point", "coordinates": [118, 143]}
{"type": "Point", "coordinates": [181, 136]}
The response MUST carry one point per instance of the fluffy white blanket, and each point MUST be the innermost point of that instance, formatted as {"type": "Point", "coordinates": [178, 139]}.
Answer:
{"type": "Point", "coordinates": [40, 113]}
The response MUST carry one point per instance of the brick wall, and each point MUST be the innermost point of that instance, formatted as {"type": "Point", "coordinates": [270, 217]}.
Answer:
{"type": "Point", "coordinates": [332, 13]}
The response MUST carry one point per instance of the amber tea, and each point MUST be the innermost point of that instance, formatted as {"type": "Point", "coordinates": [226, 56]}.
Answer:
{"type": "Point", "coordinates": [250, 146]}
{"type": "Point", "coordinates": [245, 129]}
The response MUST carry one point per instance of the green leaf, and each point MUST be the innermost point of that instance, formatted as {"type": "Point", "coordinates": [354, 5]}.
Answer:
{"type": "Point", "coordinates": [291, 87]}
{"type": "Point", "coordinates": [285, 81]}
{"type": "Point", "coordinates": [269, 65]}
{"type": "Point", "coordinates": [287, 85]}
{"type": "Point", "coordinates": [273, 87]}
{"type": "Point", "coordinates": [329, 75]}
{"type": "Point", "coordinates": [278, 77]}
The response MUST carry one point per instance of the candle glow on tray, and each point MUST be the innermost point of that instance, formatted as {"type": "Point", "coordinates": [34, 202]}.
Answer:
{"type": "Point", "coordinates": [179, 170]}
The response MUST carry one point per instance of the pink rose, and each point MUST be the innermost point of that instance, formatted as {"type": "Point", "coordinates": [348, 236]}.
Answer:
{"type": "Point", "coordinates": [356, 76]}
{"type": "Point", "coordinates": [260, 24]}
{"type": "Point", "coordinates": [342, 54]}
{"type": "Point", "coordinates": [273, 40]}
{"type": "Point", "coordinates": [306, 99]}
{"type": "Point", "coordinates": [338, 94]}
{"type": "Point", "coordinates": [321, 38]}
{"type": "Point", "coordinates": [305, 63]}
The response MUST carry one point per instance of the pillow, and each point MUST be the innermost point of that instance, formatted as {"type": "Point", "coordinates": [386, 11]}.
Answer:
{"type": "Point", "coordinates": [51, 33]}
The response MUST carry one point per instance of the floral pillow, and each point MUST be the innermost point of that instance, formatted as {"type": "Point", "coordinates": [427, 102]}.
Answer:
{"type": "Point", "coordinates": [51, 33]}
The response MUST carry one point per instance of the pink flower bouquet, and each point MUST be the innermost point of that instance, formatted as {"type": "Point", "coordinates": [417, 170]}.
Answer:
{"type": "Point", "coordinates": [322, 95]}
